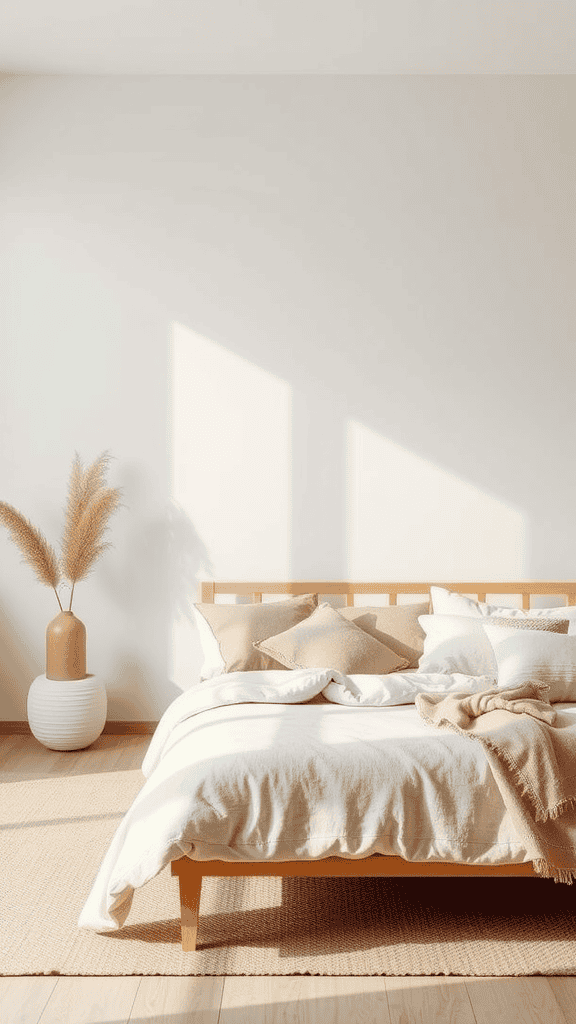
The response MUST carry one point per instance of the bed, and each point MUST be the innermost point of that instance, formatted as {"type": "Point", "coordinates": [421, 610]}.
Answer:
{"type": "Point", "coordinates": [238, 706]}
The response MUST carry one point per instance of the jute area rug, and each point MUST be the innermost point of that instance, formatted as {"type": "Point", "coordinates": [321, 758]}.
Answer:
{"type": "Point", "coordinates": [56, 831]}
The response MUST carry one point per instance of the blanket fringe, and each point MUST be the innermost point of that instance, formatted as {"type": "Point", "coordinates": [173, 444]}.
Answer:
{"type": "Point", "coordinates": [547, 870]}
{"type": "Point", "coordinates": [541, 813]}
{"type": "Point", "coordinates": [532, 802]}
{"type": "Point", "coordinates": [568, 804]}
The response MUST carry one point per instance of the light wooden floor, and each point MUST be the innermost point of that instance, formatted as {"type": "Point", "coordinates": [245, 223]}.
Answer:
{"type": "Point", "coordinates": [281, 1000]}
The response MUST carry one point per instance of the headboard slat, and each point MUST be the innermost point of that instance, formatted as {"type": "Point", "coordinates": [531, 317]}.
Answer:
{"type": "Point", "coordinates": [209, 589]}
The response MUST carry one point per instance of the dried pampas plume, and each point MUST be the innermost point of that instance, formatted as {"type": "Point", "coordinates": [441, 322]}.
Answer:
{"type": "Point", "coordinates": [90, 505]}
{"type": "Point", "coordinates": [38, 553]}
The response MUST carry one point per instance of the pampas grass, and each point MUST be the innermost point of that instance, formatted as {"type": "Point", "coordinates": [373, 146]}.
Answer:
{"type": "Point", "coordinates": [38, 553]}
{"type": "Point", "coordinates": [90, 506]}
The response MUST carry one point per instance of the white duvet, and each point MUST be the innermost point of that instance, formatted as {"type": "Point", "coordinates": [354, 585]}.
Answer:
{"type": "Point", "coordinates": [244, 767]}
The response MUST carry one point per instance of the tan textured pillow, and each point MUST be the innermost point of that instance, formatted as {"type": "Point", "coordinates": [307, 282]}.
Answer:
{"type": "Point", "coordinates": [233, 628]}
{"type": "Point", "coordinates": [395, 626]}
{"type": "Point", "coordinates": [541, 625]}
{"type": "Point", "coordinates": [326, 640]}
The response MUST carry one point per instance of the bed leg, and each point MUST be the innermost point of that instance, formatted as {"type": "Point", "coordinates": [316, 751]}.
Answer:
{"type": "Point", "coordinates": [190, 889]}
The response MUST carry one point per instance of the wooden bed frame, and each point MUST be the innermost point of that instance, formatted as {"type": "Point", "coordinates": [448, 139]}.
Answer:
{"type": "Point", "coordinates": [190, 872]}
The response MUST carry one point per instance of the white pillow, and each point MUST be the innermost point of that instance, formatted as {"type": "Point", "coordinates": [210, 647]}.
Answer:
{"type": "Point", "coordinates": [523, 655]}
{"type": "Point", "coordinates": [456, 643]}
{"type": "Point", "coordinates": [446, 602]}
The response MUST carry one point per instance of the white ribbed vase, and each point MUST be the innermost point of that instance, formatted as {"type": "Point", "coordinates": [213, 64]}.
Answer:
{"type": "Point", "coordinates": [67, 714]}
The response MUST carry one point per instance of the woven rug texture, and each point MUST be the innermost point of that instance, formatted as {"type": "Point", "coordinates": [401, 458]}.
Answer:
{"type": "Point", "coordinates": [56, 831]}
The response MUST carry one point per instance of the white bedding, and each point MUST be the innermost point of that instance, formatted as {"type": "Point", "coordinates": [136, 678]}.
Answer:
{"type": "Point", "coordinates": [240, 768]}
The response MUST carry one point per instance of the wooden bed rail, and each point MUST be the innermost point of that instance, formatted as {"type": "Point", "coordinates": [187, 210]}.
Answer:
{"type": "Point", "coordinates": [191, 872]}
{"type": "Point", "coordinates": [210, 589]}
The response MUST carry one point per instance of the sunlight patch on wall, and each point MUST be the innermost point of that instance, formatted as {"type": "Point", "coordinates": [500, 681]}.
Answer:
{"type": "Point", "coordinates": [231, 465]}
{"type": "Point", "coordinates": [409, 519]}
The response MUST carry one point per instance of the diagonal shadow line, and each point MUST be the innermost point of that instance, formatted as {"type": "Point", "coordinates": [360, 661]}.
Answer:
{"type": "Point", "coordinates": [62, 821]}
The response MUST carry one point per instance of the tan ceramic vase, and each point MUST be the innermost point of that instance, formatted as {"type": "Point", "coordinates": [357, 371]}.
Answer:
{"type": "Point", "coordinates": [66, 647]}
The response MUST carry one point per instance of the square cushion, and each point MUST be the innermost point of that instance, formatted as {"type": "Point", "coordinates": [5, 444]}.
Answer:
{"type": "Point", "coordinates": [395, 626]}
{"type": "Point", "coordinates": [227, 632]}
{"type": "Point", "coordinates": [327, 640]}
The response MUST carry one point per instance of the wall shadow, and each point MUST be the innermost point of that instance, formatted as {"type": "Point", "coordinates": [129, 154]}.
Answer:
{"type": "Point", "coordinates": [19, 667]}
{"type": "Point", "coordinates": [151, 585]}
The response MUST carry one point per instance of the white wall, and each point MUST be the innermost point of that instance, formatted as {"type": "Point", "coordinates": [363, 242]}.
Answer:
{"type": "Point", "coordinates": [324, 324]}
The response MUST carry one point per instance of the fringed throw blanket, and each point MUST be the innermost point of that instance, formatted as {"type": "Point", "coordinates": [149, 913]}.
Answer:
{"type": "Point", "coordinates": [531, 750]}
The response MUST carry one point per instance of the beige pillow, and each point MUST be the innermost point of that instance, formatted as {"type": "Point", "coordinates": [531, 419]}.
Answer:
{"type": "Point", "coordinates": [228, 631]}
{"type": "Point", "coordinates": [327, 640]}
{"type": "Point", "coordinates": [395, 626]}
{"type": "Point", "coordinates": [526, 656]}
{"type": "Point", "coordinates": [542, 625]}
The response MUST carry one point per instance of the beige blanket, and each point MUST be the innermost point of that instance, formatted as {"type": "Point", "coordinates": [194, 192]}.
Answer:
{"type": "Point", "coordinates": [531, 750]}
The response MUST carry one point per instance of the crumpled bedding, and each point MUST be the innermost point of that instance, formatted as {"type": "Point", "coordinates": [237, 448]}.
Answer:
{"type": "Point", "coordinates": [275, 766]}
{"type": "Point", "coordinates": [531, 749]}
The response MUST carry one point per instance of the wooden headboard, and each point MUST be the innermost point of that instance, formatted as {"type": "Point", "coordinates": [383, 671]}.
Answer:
{"type": "Point", "coordinates": [210, 589]}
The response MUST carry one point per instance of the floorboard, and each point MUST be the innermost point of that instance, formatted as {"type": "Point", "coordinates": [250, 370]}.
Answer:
{"type": "Point", "coordinates": [429, 1000]}
{"type": "Point", "coordinates": [304, 1000]}
{"type": "Point", "coordinates": [91, 1001]}
{"type": "Point", "coordinates": [178, 1001]}
{"type": "Point", "coordinates": [514, 1001]}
